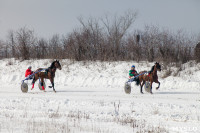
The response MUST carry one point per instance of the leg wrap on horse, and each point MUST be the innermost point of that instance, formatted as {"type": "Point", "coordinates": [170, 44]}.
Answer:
{"type": "Point", "coordinates": [43, 88]}
{"type": "Point", "coordinates": [33, 86]}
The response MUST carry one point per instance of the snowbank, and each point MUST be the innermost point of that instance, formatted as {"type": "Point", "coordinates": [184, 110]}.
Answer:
{"type": "Point", "coordinates": [95, 74]}
{"type": "Point", "coordinates": [90, 98]}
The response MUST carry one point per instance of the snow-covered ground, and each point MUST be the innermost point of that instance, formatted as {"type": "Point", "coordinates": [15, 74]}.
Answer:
{"type": "Point", "coordinates": [90, 98]}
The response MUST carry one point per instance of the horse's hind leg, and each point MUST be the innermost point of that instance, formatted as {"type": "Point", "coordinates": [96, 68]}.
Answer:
{"type": "Point", "coordinates": [35, 78]}
{"type": "Point", "coordinates": [42, 84]}
{"type": "Point", "coordinates": [151, 87]}
{"type": "Point", "coordinates": [141, 86]}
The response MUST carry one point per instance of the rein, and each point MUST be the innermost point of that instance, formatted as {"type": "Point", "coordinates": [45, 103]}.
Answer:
{"type": "Point", "coordinates": [33, 74]}
{"type": "Point", "coordinates": [131, 80]}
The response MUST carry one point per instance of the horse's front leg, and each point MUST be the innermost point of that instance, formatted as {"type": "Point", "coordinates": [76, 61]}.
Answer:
{"type": "Point", "coordinates": [52, 82]}
{"type": "Point", "coordinates": [158, 84]}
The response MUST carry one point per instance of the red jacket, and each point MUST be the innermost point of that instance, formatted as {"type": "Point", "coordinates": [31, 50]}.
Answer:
{"type": "Point", "coordinates": [28, 72]}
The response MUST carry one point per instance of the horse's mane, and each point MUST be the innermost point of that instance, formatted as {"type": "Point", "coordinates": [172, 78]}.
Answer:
{"type": "Point", "coordinates": [52, 65]}
{"type": "Point", "coordinates": [152, 68]}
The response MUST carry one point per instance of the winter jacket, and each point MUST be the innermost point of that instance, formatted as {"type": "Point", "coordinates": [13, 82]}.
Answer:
{"type": "Point", "coordinates": [28, 72]}
{"type": "Point", "coordinates": [132, 73]}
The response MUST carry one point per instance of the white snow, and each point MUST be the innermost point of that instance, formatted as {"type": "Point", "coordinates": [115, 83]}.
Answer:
{"type": "Point", "coordinates": [90, 98]}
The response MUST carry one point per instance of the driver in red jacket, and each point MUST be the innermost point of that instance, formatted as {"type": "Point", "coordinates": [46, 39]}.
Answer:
{"type": "Point", "coordinates": [28, 71]}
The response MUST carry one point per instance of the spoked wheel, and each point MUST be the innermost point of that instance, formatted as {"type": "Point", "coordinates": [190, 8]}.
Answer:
{"type": "Point", "coordinates": [24, 87]}
{"type": "Point", "coordinates": [147, 86]}
{"type": "Point", "coordinates": [127, 88]}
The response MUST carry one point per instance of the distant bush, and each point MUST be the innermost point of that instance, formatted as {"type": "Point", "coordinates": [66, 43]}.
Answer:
{"type": "Point", "coordinates": [197, 52]}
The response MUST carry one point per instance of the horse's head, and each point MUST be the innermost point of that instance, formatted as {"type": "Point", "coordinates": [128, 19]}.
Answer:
{"type": "Point", "coordinates": [57, 64]}
{"type": "Point", "coordinates": [158, 66]}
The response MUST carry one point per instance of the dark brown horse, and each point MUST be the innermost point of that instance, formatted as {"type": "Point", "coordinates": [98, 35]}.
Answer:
{"type": "Point", "coordinates": [48, 74]}
{"type": "Point", "coordinates": [151, 77]}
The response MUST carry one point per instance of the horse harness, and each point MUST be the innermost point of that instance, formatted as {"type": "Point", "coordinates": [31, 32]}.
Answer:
{"type": "Point", "coordinates": [150, 72]}
{"type": "Point", "coordinates": [51, 70]}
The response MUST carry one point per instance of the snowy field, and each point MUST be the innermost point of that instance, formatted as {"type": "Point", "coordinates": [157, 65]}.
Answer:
{"type": "Point", "coordinates": [90, 98]}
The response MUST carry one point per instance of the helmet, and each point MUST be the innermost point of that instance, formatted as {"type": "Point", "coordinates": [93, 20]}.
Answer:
{"type": "Point", "coordinates": [29, 67]}
{"type": "Point", "coordinates": [133, 66]}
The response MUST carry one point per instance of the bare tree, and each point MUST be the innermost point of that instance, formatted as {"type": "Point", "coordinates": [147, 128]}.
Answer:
{"type": "Point", "coordinates": [117, 28]}
{"type": "Point", "coordinates": [92, 32]}
{"type": "Point", "coordinates": [25, 40]}
{"type": "Point", "coordinates": [1, 49]}
{"type": "Point", "coordinates": [12, 43]}
{"type": "Point", "coordinates": [55, 47]}
{"type": "Point", "coordinates": [133, 48]}
{"type": "Point", "coordinates": [41, 49]}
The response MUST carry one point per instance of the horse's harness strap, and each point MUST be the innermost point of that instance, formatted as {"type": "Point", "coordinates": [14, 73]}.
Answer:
{"type": "Point", "coordinates": [50, 70]}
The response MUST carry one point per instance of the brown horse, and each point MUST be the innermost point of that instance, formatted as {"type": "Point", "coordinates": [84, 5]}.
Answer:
{"type": "Point", "coordinates": [48, 74]}
{"type": "Point", "coordinates": [151, 77]}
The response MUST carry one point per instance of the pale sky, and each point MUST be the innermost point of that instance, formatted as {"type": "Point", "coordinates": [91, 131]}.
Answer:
{"type": "Point", "coordinates": [49, 17]}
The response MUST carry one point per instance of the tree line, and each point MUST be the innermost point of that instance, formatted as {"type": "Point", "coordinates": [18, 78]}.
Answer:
{"type": "Point", "coordinates": [104, 39]}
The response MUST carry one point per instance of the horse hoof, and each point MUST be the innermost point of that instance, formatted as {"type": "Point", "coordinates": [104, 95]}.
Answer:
{"type": "Point", "coordinates": [157, 88]}
{"type": "Point", "coordinates": [151, 92]}
{"type": "Point", "coordinates": [141, 92]}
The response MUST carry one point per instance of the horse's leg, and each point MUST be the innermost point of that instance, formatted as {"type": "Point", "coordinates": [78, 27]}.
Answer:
{"type": "Point", "coordinates": [35, 78]}
{"type": "Point", "coordinates": [151, 87]}
{"type": "Point", "coordinates": [52, 82]}
{"type": "Point", "coordinates": [140, 78]}
{"type": "Point", "coordinates": [42, 84]}
{"type": "Point", "coordinates": [158, 84]}
{"type": "Point", "coordinates": [141, 86]}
